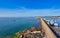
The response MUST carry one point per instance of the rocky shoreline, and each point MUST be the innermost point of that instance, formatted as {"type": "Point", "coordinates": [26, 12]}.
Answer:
{"type": "Point", "coordinates": [31, 33]}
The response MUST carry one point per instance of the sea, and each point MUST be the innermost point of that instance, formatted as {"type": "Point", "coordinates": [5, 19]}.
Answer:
{"type": "Point", "coordinates": [12, 25]}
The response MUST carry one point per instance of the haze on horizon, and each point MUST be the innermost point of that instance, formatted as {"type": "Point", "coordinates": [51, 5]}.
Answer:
{"type": "Point", "coordinates": [27, 8]}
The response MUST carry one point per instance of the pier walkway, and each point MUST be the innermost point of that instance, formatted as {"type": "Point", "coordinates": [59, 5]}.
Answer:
{"type": "Point", "coordinates": [50, 32]}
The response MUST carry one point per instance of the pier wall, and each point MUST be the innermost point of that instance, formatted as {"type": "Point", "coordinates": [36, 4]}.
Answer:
{"type": "Point", "coordinates": [46, 29]}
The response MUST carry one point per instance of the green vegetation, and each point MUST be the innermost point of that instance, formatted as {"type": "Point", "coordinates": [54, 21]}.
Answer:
{"type": "Point", "coordinates": [16, 36]}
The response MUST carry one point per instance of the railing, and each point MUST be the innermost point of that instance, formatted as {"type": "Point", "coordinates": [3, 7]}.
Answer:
{"type": "Point", "coordinates": [47, 30]}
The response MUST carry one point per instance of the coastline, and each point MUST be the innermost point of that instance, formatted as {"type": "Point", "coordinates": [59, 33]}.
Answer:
{"type": "Point", "coordinates": [24, 32]}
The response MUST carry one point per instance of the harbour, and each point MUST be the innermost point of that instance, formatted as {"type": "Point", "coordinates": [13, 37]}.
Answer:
{"type": "Point", "coordinates": [29, 18]}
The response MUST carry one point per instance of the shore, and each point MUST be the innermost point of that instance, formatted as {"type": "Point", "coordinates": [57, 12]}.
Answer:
{"type": "Point", "coordinates": [30, 33]}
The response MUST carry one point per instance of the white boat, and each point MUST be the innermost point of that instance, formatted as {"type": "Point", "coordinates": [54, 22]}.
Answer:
{"type": "Point", "coordinates": [56, 24]}
{"type": "Point", "coordinates": [51, 22]}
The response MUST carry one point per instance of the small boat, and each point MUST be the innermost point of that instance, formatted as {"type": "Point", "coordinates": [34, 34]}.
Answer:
{"type": "Point", "coordinates": [56, 24]}
{"type": "Point", "coordinates": [51, 22]}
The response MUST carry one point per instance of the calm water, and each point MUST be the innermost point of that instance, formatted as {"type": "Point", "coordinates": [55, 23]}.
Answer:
{"type": "Point", "coordinates": [9, 26]}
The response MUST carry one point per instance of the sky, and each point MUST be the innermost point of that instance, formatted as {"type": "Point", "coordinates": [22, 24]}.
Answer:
{"type": "Point", "coordinates": [27, 8]}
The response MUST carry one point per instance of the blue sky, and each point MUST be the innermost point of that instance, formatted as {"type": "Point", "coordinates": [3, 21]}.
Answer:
{"type": "Point", "coordinates": [26, 8]}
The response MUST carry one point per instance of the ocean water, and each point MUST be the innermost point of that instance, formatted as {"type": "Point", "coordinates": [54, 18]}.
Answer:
{"type": "Point", "coordinates": [11, 25]}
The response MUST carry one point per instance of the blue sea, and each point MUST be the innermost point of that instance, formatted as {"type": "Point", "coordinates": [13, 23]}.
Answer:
{"type": "Point", "coordinates": [11, 25]}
